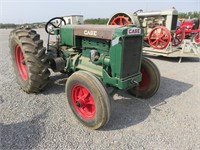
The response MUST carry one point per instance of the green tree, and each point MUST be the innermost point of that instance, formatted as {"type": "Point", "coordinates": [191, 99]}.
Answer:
{"type": "Point", "coordinates": [96, 21]}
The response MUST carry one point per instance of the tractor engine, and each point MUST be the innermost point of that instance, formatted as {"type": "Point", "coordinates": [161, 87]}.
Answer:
{"type": "Point", "coordinates": [112, 53]}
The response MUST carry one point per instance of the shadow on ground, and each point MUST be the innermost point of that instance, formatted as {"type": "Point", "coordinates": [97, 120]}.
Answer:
{"type": "Point", "coordinates": [128, 111]}
{"type": "Point", "coordinates": [23, 135]}
{"type": "Point", "coordinates": [56, 84]}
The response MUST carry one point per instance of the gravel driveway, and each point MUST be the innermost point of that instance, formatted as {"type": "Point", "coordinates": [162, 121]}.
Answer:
{"type": "Point", "coordinates": [168, 120]}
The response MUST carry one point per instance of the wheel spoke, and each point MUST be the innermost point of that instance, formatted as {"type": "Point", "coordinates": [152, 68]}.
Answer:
{"type": "Point", "coordinates": [120, 21]}
{"type": "Point", "coordinates": [155, 35]}
{"type": "Point", "coordinates": [162, 41]}
{"type": "Point", "coordinates": [86, 95]}
{"type": "Point", "coordinates": [154, 42]}
{"type": "Point", "coordinates": [162, 35]}
{"type": "Point", "coordinates": [153, 38]}
{"type": "Point", "coordinates": [114, 23]}
{"type": "Point", "coordinates": [165, 38]}
{"type": "Point", "coordinates": [88, 109]}
{"type": "Point", "coordinates": [52, 25]}
{"type": "Point", "coordinates": [60, 23]}
{"type": "Point", "coordinates": [157, 42]}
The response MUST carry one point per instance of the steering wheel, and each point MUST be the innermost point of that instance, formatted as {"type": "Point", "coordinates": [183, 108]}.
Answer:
{"type": "Point", "coordinates": [53, 23]}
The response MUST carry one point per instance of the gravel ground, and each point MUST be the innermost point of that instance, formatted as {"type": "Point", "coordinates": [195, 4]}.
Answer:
{"type": "Point", "coordinates": [168, 120]}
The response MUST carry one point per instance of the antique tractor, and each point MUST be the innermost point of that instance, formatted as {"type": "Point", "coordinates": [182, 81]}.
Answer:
{"type": "Point", "coordinates": [160, 27]}
{"type": "Point", "coordinates": [96, 58]}
{"type": "Point", "coordinates": [192, 29]}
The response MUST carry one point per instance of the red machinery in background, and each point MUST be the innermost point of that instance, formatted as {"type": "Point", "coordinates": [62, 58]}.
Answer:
{"type": "Point", "coordinates": [192, 29]}
{"type": "Point", "coordinates": [160, 26]}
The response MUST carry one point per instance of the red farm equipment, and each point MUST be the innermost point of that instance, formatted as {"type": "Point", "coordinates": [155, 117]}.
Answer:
{"type": "Point", "coordinates": [192, 29]}
{"type": "Point", "coordinates": [162, 35]}
{"type": "Point", "coordinates": [160, 26]}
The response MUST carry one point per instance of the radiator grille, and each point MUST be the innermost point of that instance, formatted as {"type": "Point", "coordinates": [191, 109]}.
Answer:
{"type": "Point", "coordinates": [131, 56]}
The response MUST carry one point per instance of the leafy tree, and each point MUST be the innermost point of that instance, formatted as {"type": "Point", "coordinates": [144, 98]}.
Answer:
{"type": "Point", "coordinates": [191, 15]}
{"type": "Point", "coordinates": [96, 21]}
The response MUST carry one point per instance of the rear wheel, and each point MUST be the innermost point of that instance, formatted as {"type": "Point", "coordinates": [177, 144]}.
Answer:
{"type": "Point", "coordinates": [150, 80]}
{"type": "Point", "coordinates": [88, 99]}
{"type": "Point", "coordinates": [120, 19]}
{"type": "Point", "coordinates": [178, 37]}
{"type": "Point", "coordinates": [159, 37]}
{"type": "Point", "coordinates": [29, 60]}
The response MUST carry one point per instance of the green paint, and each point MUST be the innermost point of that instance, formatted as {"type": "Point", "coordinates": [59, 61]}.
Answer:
{"type": "Point", "coordinates": [66, 34]}
{"type": "Point", "coordinates": [111, 56]}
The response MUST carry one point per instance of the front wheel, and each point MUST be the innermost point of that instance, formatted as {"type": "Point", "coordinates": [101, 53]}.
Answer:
{"type": "Point", "coordinates": [150, 80]}
{"type": "Point", "coordinates": [88, 99]}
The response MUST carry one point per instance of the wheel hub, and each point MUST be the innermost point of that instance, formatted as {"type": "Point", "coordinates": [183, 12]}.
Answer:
{"type": "Point", "coordinates": [83, 101]}
{"type": "Point", "coordinates": [20, 62]}
{"type": "Point", "coordinates": [78, 104]}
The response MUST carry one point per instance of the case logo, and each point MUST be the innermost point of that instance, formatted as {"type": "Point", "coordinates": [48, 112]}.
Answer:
{"type": "Point", "coordinates": [134, 31]}
{"type": "Point", "coordinates": [91, 33]}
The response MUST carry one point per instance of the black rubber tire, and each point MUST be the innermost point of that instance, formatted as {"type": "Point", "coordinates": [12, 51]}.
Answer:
{"type": "Point", "coordinates": [154, 81]}
{"type": "Point", "coordinates": [34, 57]}
{"type": "Point", "coordinates": [98, 92]}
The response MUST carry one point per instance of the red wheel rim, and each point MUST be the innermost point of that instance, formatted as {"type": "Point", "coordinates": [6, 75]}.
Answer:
{"type": "Point", "coordinates": [83, 101]}
{"type": "Point", "coordinates": [120, 20]}
{"type": "Point", "coordinates": [178, 37]}
{"type": "Point", "coordinates": [20, 62]}
{"type": "Point", "coordinates": [197, 38]}
{"type": "Point", "coordinates": [159, 37]}
{"type": "Point", "coordinates": [144, 84]}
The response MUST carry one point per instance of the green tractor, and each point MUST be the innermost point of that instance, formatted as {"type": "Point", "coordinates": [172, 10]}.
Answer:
{"type": "Point", "coordinates": [96, 58]}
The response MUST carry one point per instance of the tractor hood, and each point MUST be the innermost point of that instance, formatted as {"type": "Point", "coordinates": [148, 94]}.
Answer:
{"type": "Point", "coordinates": [94, 31]}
